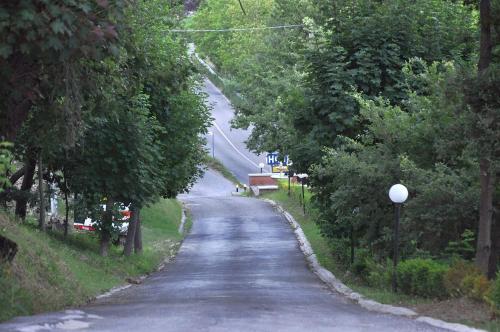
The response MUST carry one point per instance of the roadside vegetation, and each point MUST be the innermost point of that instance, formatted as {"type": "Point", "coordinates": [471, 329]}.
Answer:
{"type": "Point", "coordinates": [101, 112]}
{"type": "Point", "coordinates": [216, 165]}
{"type": "Point", "coordinates": [96, 114]}
{"type": "Point", "coordinates": [368, 94]}
{"type": "Point", "coordinates": [453, 289]}
{"type": "Point", "coordinates": [50, 272]}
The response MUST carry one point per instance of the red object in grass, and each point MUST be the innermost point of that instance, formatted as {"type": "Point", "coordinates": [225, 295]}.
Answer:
{"type": "Point", "coordinates": [84, 228]}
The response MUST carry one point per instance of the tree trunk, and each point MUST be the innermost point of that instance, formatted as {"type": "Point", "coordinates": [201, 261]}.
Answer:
{"type": "Point", "coordinates": [107, 221]}
{"type": "Point", "coordinates": [483, 251]}
{"type": "Point", "coordinates": [104, 245]}
{"type": "Point", "coordinates": [485, 45]}
{"type": "Point", "coordinates": [67, 214]}
{"type": "Point", "coordinates": [138, 236]}
{"type": "Point", "coordinates": [17, 175]}
{"type": "Point", "coordinates": [129, 242]}
{"type": "Point", "coordinates": [41, 219]}
{"type": "Point", "coordinates": [29, 173]}
{"type": "Point", "coordinates": [495, 237]}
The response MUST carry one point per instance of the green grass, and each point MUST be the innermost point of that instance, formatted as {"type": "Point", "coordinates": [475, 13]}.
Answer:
{"type": "Point", "coordinates": [50, 273]}
{"type": "Point", "coordinates": [293, 205]}
{"type": "Point", "coordinates": [219, 167]}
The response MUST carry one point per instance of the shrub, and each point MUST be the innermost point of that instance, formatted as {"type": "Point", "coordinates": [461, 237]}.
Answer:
{"type": "Point", "coordinates": [379, 275]}
{"type": "Point", "coordinates": [454, 279]}
{"type": "Point", "coordinates": [423, 277]}
{"type": "Point", "coordinates": [494, 296]}
{"type": "Point", "coordinates": [480, 287]}
{"type": "Point", "coordinates": [362, 263]}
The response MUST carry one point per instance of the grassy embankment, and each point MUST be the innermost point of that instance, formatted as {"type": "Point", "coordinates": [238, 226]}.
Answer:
{"type": "Point", "coordinates": [49, 273]}
{"type": "Point", "coordinates": [454, 310]}
{"type": "Point", "coordinates": [216, 165]}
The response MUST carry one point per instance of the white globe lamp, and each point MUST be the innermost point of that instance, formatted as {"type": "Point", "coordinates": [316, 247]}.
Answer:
{"type": "Point", "coordinates": [398, 193]}
{"type": "Point", "coordinates": [261, 166]}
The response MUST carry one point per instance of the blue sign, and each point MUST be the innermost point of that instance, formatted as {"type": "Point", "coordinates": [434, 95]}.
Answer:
{"type": "Point", "coordinates": [272, 159]}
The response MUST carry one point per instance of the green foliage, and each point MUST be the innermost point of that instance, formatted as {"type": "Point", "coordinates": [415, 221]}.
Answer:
{"type": "Point", "coordinates": [423, 277]}
{"type": "Point", "coordinates": [476, 286]}
{"type": "Point", "coordinates": [114, 116]}
{"type": "Point", "coordinates": [5, 164]}
{"type": "Point", "coordinates": [495, 295]}
{"type": "Point", "coordinates": [464, 247]}
{"type": "Point", "coordinates": [44, 49]}
{"type": "Point", "coordinates": [419, 147]}
{"type": "Point", "coordinates": [455, 277]}
{"type": "Point", "coordinates": [363, 49]}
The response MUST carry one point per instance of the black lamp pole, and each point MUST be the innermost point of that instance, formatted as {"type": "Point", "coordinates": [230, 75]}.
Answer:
{"type": "Point", "coordinates": [288, 182]}
{"type": "Point", "coordinates": [303, 197]}
{"type": "Point", "coordinates": [397, 209]}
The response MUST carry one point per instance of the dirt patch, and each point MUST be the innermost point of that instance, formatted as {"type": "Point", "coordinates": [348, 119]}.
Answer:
{"type": "Point", "coordinates": [455, 310]}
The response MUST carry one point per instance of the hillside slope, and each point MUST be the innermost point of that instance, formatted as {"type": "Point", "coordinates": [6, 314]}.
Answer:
{"type": "Point", "coordinates": [49, 273]}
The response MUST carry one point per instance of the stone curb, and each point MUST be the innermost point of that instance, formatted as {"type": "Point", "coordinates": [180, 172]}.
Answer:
{"type": "Point", "coordinates": [328, 278]}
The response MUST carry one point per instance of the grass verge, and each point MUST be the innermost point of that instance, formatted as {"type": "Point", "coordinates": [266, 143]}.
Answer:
{"type": "Point", "coordinates": [461, 310]}
{"type": "Point", "coordinates": [219, 167]}
{"type": "Point", "coordinates": [50, 273]}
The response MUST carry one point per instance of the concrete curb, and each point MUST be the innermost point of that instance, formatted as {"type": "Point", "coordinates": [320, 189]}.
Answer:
{"type": "Point", "coordinates": [112, 291]}
{"type": "Point", "coordinates": [328, 278]}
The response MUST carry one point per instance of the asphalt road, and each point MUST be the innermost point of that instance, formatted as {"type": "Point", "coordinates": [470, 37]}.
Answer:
{"type": "Point", "coordinates": [240, 269]}
{"type": "Point", "coordinates": [229, 143]}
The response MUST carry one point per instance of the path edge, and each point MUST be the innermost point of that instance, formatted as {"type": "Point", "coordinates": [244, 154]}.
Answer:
{"type": "Point", "coordinates": [335, 284]}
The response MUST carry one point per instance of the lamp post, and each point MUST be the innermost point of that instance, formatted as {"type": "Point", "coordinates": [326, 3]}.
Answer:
{"type": "Point", "coordinates": [210, 133]}
{"type": "Point", "coordinates": [261, 166]}
{"type": "Point", "coordinates": [398, 195]}
{"type": "Point", "coordinates": [289, 165]}
{"type": "Point", "coordinates": [303, 178]}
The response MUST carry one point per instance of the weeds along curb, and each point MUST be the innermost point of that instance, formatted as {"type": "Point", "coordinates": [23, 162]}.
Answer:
{"type": "Point", "coordinates": [183, 219]}
{"type": "Point", "coordinates": [160, 266]}
{"type": "Point", "coordinates": [328, 278]}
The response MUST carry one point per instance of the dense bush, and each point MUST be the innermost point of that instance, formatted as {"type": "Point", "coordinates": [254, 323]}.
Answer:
{"type": "Point", "coordinates": [477, 287]}
{"type": "Point", "coordinates": [455, 276]}
{"type": "Point", "coordinates": [494, 297]}
{"type": "Point", "coordinates": [379, 275]}
{"type": "Point", "coordinates": [423, 277]}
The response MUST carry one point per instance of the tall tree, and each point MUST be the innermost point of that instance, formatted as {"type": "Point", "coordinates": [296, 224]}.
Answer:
{"type": "Point", "coordinates": [484, 101]}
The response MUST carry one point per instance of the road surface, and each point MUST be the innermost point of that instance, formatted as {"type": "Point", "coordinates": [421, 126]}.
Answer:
{"type": "Point", "coordinates": [240, 269]}
{"type": "Point", "coordinates": [229, 143]}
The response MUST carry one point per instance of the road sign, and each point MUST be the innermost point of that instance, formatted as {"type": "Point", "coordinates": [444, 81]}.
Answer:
{"type": "Point", "coordinates": [280, 169]}
{"type": "Point", "coordinates": [272, 159]}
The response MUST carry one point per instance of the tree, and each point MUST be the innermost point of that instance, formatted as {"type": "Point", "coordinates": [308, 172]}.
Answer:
{"type": "Point", "coordinates": [483, 97]}
{"type": "Point", "coordinates": [45, 48]}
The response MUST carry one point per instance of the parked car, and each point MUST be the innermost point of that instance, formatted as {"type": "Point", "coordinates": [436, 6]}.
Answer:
{"type": "Point", "coordinates": [88, 225]}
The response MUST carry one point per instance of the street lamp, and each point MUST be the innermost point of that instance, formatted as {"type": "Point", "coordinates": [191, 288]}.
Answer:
{"type": "Point", "coordinates": [303, 178]}
{"type": "Point", "coordinates": [398, 195]}
{"type": "Point", "coordinates": [213, 143]}
{"type": "Point", "coordinates": [261, 166]}
{"type": "Point", "coordinates": [289, 165]}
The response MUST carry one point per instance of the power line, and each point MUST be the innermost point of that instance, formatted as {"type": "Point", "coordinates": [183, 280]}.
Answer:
{"type": "Point", "coordinates": [238, 29]}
